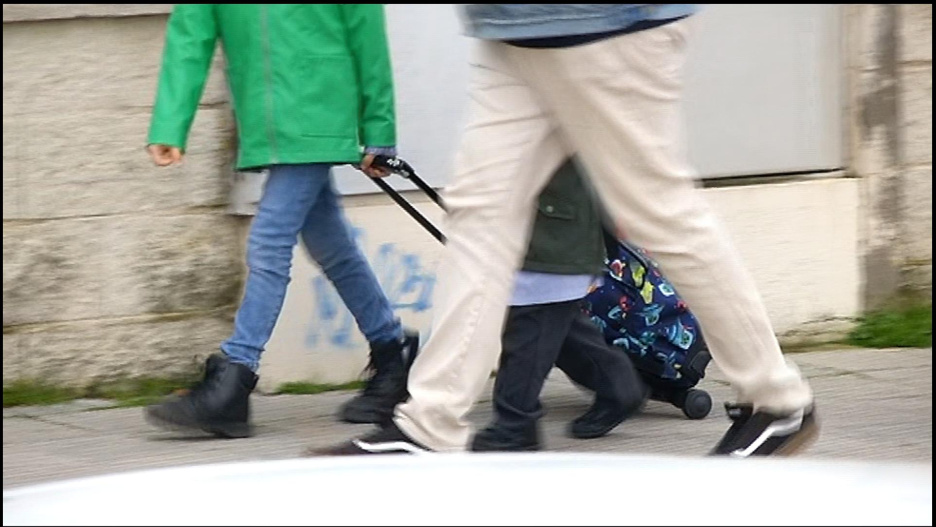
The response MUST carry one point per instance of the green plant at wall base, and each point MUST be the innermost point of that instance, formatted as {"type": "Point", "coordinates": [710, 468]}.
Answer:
{"type": "Point", "coordinates": [308, 388]}
{"type": "Point", "coordinates": [135, 392]}
{"type": "Point", "coordinates": [908, 326]}
{"type": "Point", "coordinates": [131, 392]}
{"type": "Point", "coordinates": [139, 392]}
{"type": "Point", "coordinates": [25, 392]}
{"type": "Point", "coordinates": [140, 387]}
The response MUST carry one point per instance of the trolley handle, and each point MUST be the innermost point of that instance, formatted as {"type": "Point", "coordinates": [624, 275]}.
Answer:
{"type": "Point", "coordinates": [403, 169]}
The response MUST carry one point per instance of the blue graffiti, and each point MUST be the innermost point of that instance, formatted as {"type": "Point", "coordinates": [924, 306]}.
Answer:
{"type": "Point", "coordinates": [401, 275]}
{"type": "Point", "coordinates": [403, 279]}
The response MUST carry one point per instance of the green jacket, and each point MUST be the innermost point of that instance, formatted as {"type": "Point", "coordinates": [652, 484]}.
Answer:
{"type": "Point", "coordinates": [567, 236]}
{"type": "Point", "coordinates": [309, 82]}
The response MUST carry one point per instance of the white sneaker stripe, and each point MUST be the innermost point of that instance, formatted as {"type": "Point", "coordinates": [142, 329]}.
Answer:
{"type": "Point", "coordinates": [396, 446]}
{"type": "Point", "coordinates": [781, 428]}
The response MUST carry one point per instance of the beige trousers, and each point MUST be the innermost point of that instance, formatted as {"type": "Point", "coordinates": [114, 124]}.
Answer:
{"type": "Point", "coordinates": [616, 105]}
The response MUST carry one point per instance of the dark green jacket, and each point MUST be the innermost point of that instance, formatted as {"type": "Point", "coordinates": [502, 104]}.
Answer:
{"type": "Point", "coordinates": [567, 237]}
{"type": "Point", "coordinates": [309, 82]}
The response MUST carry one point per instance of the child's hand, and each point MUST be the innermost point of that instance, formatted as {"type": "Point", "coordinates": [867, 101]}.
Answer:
{"type": "Point", "coordinates": [372, 171]}
{"type": "Point", "coordinates": [164, 155]}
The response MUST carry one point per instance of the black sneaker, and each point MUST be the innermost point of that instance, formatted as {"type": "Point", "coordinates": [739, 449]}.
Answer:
{"type": "Point", "coordinates": [763, 433]}
{"type": "Point", "coordinates": [219, 404]}
{"type": "Point", "coordinates": [601, 418]}
{"type": "Point", "coordinates": [496, 438]}
{"type": "Point", "coordinates": [389, 367]}
{"type": "Point", "coordinates": [389, 439]}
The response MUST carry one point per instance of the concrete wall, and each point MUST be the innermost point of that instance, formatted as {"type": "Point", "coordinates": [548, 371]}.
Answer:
{"type": "Point", "coordinates": [111, 267]}
{"type": "Point", "coordinates": [890, 75]}
{"type": "Point", "coordinates": [800, 240]}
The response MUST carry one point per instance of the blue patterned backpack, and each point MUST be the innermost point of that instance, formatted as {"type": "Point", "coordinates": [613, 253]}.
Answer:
{"type": "Point", "coordinates": [639, 311]}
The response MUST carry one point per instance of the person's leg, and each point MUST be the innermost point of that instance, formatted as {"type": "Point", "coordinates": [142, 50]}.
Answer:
{"type": "Point", "coordinates": [220, 403]}
{"type": "Point", "coordinates": [508, 152]}
{"type": "Point", "coordinates": [328, 240]}
{"type": "Point", "coordinates": [618, 103]}
{"type": "Point", "coordinates": [594, 364]}
{"type": "Point", "coordinates": [533, 336]}
{"type": "Point", "coordinates": [288, 195]}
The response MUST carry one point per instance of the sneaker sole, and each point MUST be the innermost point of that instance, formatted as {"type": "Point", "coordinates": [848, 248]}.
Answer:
{"type": "Point", "coordinates": [800, 442]}
{"type": "Point", "coordinates": [602, 432]}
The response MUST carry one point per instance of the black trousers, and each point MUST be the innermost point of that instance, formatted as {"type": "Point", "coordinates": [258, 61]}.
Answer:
{"type": "Point", "coordinates": [537, 337]}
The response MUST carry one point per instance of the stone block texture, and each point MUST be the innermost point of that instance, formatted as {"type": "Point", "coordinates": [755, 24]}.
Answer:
{"type": "Point", "coordinates": [112, 267]}
{"type": "Point", "coordinates": [916, 103]}
{"type": "Point", "coordinates": [891, 112]}
{"type": "Point", "coordinates": [916, 32]}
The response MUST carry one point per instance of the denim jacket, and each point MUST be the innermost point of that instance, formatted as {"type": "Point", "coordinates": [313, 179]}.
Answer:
{"type": "Point", "coordinates": [522, 21]}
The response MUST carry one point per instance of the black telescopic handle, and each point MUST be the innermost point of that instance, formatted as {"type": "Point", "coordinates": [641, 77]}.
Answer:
{"type": "Point", "coordinates": [401, 201]}
{"type": "Point", "coordinates": [403, 169]}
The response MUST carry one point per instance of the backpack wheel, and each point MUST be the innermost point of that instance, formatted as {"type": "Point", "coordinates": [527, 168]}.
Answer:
{"type": "Point", "coordinates": [697, 404]}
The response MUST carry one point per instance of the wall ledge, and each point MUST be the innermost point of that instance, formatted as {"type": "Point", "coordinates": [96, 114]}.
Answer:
{"type": "Point", "coordinates": [40, 12]}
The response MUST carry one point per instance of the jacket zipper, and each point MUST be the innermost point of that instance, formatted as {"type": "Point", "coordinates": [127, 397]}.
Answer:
{"type": "Point", "coordinates": [268, 73]}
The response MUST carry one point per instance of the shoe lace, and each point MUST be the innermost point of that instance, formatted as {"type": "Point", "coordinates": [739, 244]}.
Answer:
{"type": "Point", "coordinates": [370, 374]}
{"type": "Point", "coordinates": [377, 375]}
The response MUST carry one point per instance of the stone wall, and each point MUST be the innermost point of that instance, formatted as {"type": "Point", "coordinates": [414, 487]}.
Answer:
{"type": "Point", "coordinates": [890, 74]}
{"type": "Point", "coordinates": [111, 267]}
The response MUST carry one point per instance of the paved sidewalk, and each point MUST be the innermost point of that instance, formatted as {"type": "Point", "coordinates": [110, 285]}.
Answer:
{"type": "Point", "coordinates": [873, 404]}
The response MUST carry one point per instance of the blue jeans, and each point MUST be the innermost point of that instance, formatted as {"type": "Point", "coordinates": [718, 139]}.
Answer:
{"type": "Point", "coordinates": [300, 200]}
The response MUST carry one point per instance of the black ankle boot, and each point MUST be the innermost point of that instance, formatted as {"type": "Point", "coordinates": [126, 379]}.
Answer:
{"type": "Point", "coordinates": [496, 438]}
{"type": "Point", "coordinates": [389, 366]}
{"type": "Point", "coordinates": [219, 404]}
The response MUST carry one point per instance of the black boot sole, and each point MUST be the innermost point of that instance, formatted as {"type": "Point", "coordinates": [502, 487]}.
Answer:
{"type": "Point", "coordinates": [526, 448]}
{"type": "Point", "coordinates": [371, 415]}
{"type": "Point", "coordinates": [494, 439]}
{"type": "Point", "coordinates": [221, 430]}
{"type": "Point", "coordinates": [358, 417]}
